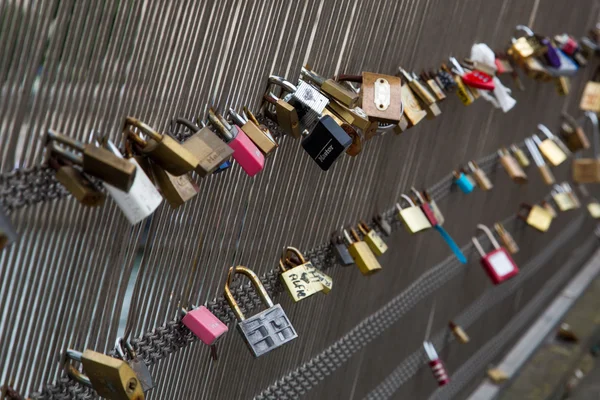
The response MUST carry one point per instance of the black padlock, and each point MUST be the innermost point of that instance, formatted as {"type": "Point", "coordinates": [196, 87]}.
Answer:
{"type": "Point", "coordinates": [326, 142]}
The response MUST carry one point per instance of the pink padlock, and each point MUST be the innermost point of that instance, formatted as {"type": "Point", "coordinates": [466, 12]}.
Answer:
{"type": "Point", "coordinates": [436, 365]}
{"type": "Point", "coordinates": [245, 152]}
{"type": "Point", "coordinates": [498, 264]}
{"type": "Point", "coordinates": [205, 325]}
{"type": "Point", "coordinates": [567, 44]}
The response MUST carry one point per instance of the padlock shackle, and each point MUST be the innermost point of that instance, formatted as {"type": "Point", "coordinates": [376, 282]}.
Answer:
{"type": "Point", "coordinates": [535, 153]}
{"type": "Point", "coordinates": [250, 116]}
{"type": "Point", "coordinates": [72, 371]}
{"type": "Point", "coordinates": [131, 354]}
{"type": "Point", "coordinates": [430, 351]}
{"type": "Point", "coordinates": [349, 240]}
{"type": "Point", "coordinates": [293, 250]}
{"type": "Point", "coordinates": [418, 195]}
{"type": "Point", "coordinates": [363, 228]}
{"type": "Point", "coordinates": [237, 118]}
{"type": "Point", "coordinates": [194, 128]}
{"type": "Point", "coordinates": [59, 152]}
{"type": "Point", "coordinates": [52, 135]}
{"type": "Point", "coordinates": [312, 76]}
{"type": "Point", "coordinates": [279, 81]}
{"type": "Point", "coordinates": [258, 286]}
{"type": "Point", "coordinates": [524, 28]}
{"type": "Point", "coordinates": [473, 166]}
{"type": "Point", "coordinates": [489, 234]}
{"type": "Point", "coordinates": [271, 98]}
{"type": "Point", "coordinates": [524, 206]}
{"type": "Point", "coordinates": [217, 121]}
{"type": "Point", "coordinates": [544, 129]}
{"type": "Point", "coordinates": [408, 200]}
{"type": "Point", "coordinates": [144, 128]}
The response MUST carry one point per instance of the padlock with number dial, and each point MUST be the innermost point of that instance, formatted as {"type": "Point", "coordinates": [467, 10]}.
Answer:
{"type": "Point", "coordinates": [520, 156]}
{"type": "Point", "coordinates": [544, 169]}
{"type": "Point", "coordinates": [331, 88]}
{"type": "Point", "coordinates": [205, 326]}
{"type": "Point", "coordinates": [587, 170]}
{"type": "Point", "coordinates": [297, 278]}
{"type": "Point", "coordinates": [381, 97]}
{"type": "Point", "coordinates": [573, 134]}
{"type": "Point", "coordinates": [413, 216]}
{"type": "Point", "coordinates": [80, 187]}
{"type": "Point", "coordinates": [127, 353]}
{"type": "Point", "coordinates": [512, 167]}
{"type": "Point", "coordinates": [463, 182]}
{"type": "Point", "coordinates": [206, 146]}
{"type": "Point", "coordinates": [265, 142]}
{"type": "Point", "coordinates": [96, 161]}
{"type": "Point", "coordinates": [498, 263]}
{"type": "Point", "coordinates": [459, 333]}
{"type": "Point", "coordinates": [375, 242]}
{"type": "Point", "coordinates": [267, 330]}
{"type": "Point", "coordinates": [8, 235]}
{"type": "Point", "coordinates": [590, 99]}
{"type": "Point", "coordinates": [554, 148]}
{"type": "Point", "coordinates": [507, 240]}
{"type": "Point", "coordinates": [363, 257]}
{"type": "Point", "coordinates": [341, 249]}
{"type": "Point", "coordinates": [245, 151]}
{"type": "Point", "coordinates": [108, 376]}
{"type": "Point", "coordinates": [535, 216]}
{"type": "Point", "coordinates": [287, 117]}
{"type": "Point", "coordinates": [435, 364]}
{"type": "Point", "coordinates": [480, 176]}
{"type": "Point", "coordinates": [162, 149]}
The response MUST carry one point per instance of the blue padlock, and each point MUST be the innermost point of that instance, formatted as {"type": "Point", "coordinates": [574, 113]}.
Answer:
{"type": "Point", "coordinates": [463, 182]}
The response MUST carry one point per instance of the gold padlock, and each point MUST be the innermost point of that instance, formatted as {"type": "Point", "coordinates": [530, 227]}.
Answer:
{"type": "Point", "coordinates": [593, 208]}
{"type": "Point", "coordinates": [75, 182]}
{"type": "Point", "coordinates": [375, 242]}
{"type": "Point", "coordinates": [459, 333]}
{"type": "Point", "coordinates": [520, 156]}
{"type": "Point", "coordinates": [497, 375]}
{"type": "Point", "coordinates": [298, 278]}
{"type": "Point", "coordinates": [318, 278]}
{"type": "Point", "coordinates": [480, 176]}
{"type": "Point", "coordinates": [381, 97]}
{"type": "Point", "coordinates": [573, 134]}
{"type": "Point", "coordinates": [537, 216]}
{"type": "Point", "coordinates": [262, 138]}
{"type": "Point", "coordinates": [549, 208]}
{"type": "Point", "coordinates": [163, 149]}
{"type": "Point", "coordinates": [331, 88]}
{"type": "Point", "coordinates": [562, 199]}
{"type": "Point", "coordinates": [413, 217]}
{"type": "Point", "coordinates": [287, 116]}
{"type": "Point", "coordinates": [590, 99]}
{"type": "Point", "coordinates": [562, 84]}
{"type": "Point", "coordinates": [109, 377]}
{"type": "Point", "coordinates": [412, 110]}
{"type": "Point", "coordinates": [544, 169]}
{"type": "Point", "coordinates": [433, 86]}
{"type": "Point", "coordinates": [363, 257]}
{"type": "Point", "coordinates": [507, 240]}
{"type": "Point", "coordinates": [551, 151]}
{"type": "Point", "coordinates": [587, 170]}
{"type": "Point", "coordinates": [512, 167]}
{"type": "Point", "coordinates": [175, 189]}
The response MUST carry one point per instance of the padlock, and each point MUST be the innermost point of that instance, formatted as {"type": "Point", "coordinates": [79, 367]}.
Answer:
{"type": "Point", "coordinates": [463, 182]}
{"type": "Point", "coordinates": [163, 149]}
{"type": "Point", "coordinates": [526, 46]}
{"type": "Point", "coordinates": [548, 207]}
{"type": "Point", "coordinates": [593, 208]}
{"type": "Point", "coordinates": [309, 103]}
{"type": "Point", "coordinates": [8, 235]}
{"type": "Point", "coordinates": [590, 99]}
{"type": "Point", "coordinates": [412, 109]}
{"type": "Point", "coordinates": [462, 91]}
{"type": "Point", "coordinates": [356, 147]}
{"type": "Point", "coordinates": [331, 88]}
{"type": "Point", "coordinates": [96, 161]}
{"type": "Point", "coordinates": [497, 376]}
{"type": "Point", "coordinates": [478, 66]}
{"type": "Point", "coordinates": [551, 55]}
{"type": "Point", "coordinates": [318, 279]}
{"type": "Point", "coordinates": [512, 167]}
{"type": "Point", "coordinates": [567, 68]}
{"type": "Point", "coordinates": [498, 263]}
{"type": "Point", "coordinates": [434, 207]}
{"type": "Point", "coordinates": [480, 176]}
{"type": "Point", "coordinates": [537, 216]}
{"type": "Point", "coordinates": [569, 190]}
{"type": "Point", "coordinates": [266, 330]}
{"type": "Point", "coordinates": [175, 189]}
{"type": "Point", "coordinates": [507, 240]}
{"type": "Point", "coordinates": [567, 43]}
{"type": "Point", "coordinates": [205, 325]}
{"type": "Point", "coordinates": [265, 142]}
{"type": "Point", "coordinates": [552, 147]}
{"type": "Point", "coordinates": [245, 151]}
{"type": "Point", "coordinates": [363, 257]}
{"type": "Point", "coordinates": [109, 377]}
{"type": "Point", "coordinates": [137, 364]}
{"type": "Point", "coordinates": [206, 146]}
{"type": "Point", "coordinates": [341, 250]}
{"type": "Point", "coordinates": [562, 199]}
{"type": "Point", "coordinates": [354, 116]}
{"type": "Point", "coordinates": [544, 169]}
{"type": "Point", "coordinates": [326, 142]}
{"type": "Point", "coordinates": [503, 65]}
{"type": "Point", "coordinates": [413, 217]}
{"type": "Point", "coordinates": [435, 364]}
{"type": "Point", "coordinates": [573, 134]}
{"type": "Point", "coordinates": [425, 207]}
{"type": "Point", "coordinates": [433, 85]}
{"type": "Point", "coordinates": [142, 199]}
{"type": "Point", "coordinates": [587, 170]}
{"type": "Point", "coordinates": [520, 156]}
{"type": "Point", "coordinates": [382, 223]}
{"type": "Point", "coordinates": [562, 84]}
{"type": "Point", "coordinates": [459, 333]}
{"type": "Point", "coordinates": [80, 187]}
{"type": "Point", "coordinates": [381, 97]}
{"type": "Point", "coordinates": [287, 117]}
{"type": "Point", "coordinates": [372, 238]}
{"type": "Point", "coordinates": [424, 95]}
{"type": "Point", "coordinates": [296, 278]}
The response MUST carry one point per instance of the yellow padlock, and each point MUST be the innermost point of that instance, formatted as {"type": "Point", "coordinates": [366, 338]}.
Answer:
{"type": "Point", "coordinates": [550, 148]}
{"type": "Point", "coordinates": [537, 216]}
{"type": "Point", "coordinates": [298, 276]}
{"type": "Point", "coordinates": [562, 199]}
{"type": "Point", "coordinates": [319, 279]}
{"type": "Point", "coordinates": [413, 217]}
{"type": "Point", "coordinates": [375, 242]}
{"type": "Point", "coordinates": [594, 208]}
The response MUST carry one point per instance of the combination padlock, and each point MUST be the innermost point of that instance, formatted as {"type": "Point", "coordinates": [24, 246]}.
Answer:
{"type": "Point", "coordinates": [463, 182]}
{"type": "Point", "coordinates": [413, 216]}
{"type": "Point", "coordinates": [142, 372]}
{"type": "Point", "coordinates": [498, 263]}
{"type": "Point", "coordinates": [537, 216]}
{"type": "Point", "coordinates": [363, 257]}
{"type": "Point", "coordinates": [264, 331]}
{"type": "Point", "coordinates": [372, 238]}
{"type": "Point", "coordinates": [109, 377]}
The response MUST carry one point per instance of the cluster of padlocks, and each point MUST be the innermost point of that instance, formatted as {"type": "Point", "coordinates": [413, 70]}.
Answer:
{"type": "Point", "coordinates": [331, 117]}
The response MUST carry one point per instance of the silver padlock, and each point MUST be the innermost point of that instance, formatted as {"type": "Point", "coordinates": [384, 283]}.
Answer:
{"type": "Point", "coordinates": [7, 232]}
{"type": "Point", "coordinates": [136, 363]}
{"type": "Point", "coordinates": [309, 104]}
{"type": "Point", "coordinates": [266, 330]}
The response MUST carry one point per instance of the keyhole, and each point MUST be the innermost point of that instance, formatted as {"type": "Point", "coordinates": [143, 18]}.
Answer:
{"type": "Point", "coordinates": [381, 106]}
{"type": "Point", "coordinates": [381, 81]}
{"type": "Point", "coordinates": [132, 385]}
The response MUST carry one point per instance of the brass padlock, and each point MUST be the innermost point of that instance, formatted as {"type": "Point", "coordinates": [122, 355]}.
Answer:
{"type": "Point", "coordinates": [590, 99]}
{"type": "Point", "coordinates": [433, 85]}
{"type": "Point", "coordinates": [413, 217]}
{"type": "Point", "coordinates": [301, 278]}
{"type": "Point", "coordinates": [331, 88]}
{"type": "Point", "coordinates": [562, 198]}
{"type": "Point", "coordinates": [261, 138]}
{"type": "Point", "coordinates": [412, 110]}
{"type": "Point", "coordinates": [497, 375]}
{"type": "Point", "coordinates": [480, 176]}
{"type": "Point", "coordinates": [363, 257]}
{"type": "Point", "coordinates": [287, 117]}
{"type": "Point", "coordinates": [520, 156]}
{"type": "Point", "coordinates": [558, 150]}
{"type": "Point", "coordinates": [74, 181]}
{"type": "Point", "coordinates": [375, 242]}
{"type": "Point", "coordinates": [507, 240]}
{"type": "Point", "coordinates": [526, 46]}
{"type": "Point", "coordinates": [163, 149]}
{"type": "Point", "coordinates": [567, 188]}
{"type": "Point", "coordinates": [206, 146]}
{"type": "Point", "coordinates": [549, 208]}
{"type": "Point", "coordinates": [175, 189]}
{"type": "Point", "coordinates": [593, 208]}
{"type": "Point", "coordinates": [465, 95]}
{"type": "Point", "coordinates": [381, 97]}
{"type": "Point", "coordinates": [459, 333]}
{"type": "Point", "coordinates": [587, 170]}
{"type": "Point", "coordinates": [354, 116]}
{"type": "Point", "coordinates": [356, 147]}
{"type": "Point", "coordinates": [562, 84]}
{"type": "Point", "coordinates": [424, 95]}
{"type": "Point", "coordinates": [573, 134]}
{"type": "Point", "coordinates": [544, 169]}
{"type": "Point", "coordinates": [537, 216]}
{"type": "Point", "coordinates": [97, 162]}
{"type": "Point", "coordinates": [109, 377]}
{"type": "Point", "coordinates": [512, 167]}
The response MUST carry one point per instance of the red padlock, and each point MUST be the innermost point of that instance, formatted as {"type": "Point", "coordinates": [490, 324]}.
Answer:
{"type": "Point", "coordinates": [205, 325]}
{"type": "Point", "coordinates": [498, 264]}
{"type": "Point", "coordinates": [479, 80]}
{"type": "Point", "coordinates": [425, 207]}
{"type": "Point", "coordinates": [437, 367]}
